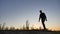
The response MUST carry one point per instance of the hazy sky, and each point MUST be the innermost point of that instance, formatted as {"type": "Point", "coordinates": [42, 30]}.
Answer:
{"type": "Point", "coordinates": [16, 12]}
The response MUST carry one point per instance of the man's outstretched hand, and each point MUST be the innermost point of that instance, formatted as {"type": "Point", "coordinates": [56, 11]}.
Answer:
{"type": "Point", "coordinates": [46, 19]}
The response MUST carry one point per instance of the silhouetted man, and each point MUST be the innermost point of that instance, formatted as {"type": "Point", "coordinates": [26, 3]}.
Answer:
{"type": "Point", "coordinates": [43, 17]}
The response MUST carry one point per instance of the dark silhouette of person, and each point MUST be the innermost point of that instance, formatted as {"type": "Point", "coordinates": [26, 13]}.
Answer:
{"type": "Point", "coordinates": [43, 17]}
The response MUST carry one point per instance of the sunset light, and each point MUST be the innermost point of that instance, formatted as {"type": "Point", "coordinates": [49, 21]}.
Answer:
{"type": "Point", "coordinates": [24, 14]}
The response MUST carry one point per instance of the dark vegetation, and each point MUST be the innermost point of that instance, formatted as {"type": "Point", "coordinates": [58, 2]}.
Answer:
{"type": "Point", "coordinates": [28, 32]}
{"type": "Point", "coordinates": [25, 30]}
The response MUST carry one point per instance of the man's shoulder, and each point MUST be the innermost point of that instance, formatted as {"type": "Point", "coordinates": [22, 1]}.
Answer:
{"type": "Point", "coordinates": [42, 13]}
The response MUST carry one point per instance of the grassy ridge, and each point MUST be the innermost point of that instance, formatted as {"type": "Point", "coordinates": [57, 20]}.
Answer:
{"type": "Point", "coordinates": [28, 32]}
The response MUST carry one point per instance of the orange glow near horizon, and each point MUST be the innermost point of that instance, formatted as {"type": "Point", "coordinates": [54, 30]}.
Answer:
{"type": "Point", "coordinates": [37, 26]}
{"type": "Point", "coordinates": [55, 28]}
{"type": "Point", "coordinates": [50, 28]}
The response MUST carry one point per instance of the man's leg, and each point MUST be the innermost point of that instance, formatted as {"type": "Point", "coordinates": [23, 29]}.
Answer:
{"type": "Point", "coordinates": [43, 24]}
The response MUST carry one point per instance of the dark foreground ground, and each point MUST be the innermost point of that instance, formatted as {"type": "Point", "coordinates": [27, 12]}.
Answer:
{"type": "Point", "coordinates": [28, 32]}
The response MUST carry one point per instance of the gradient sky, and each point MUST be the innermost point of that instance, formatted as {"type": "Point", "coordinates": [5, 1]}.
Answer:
{"type": "Point", "coordinates": [16, 12]}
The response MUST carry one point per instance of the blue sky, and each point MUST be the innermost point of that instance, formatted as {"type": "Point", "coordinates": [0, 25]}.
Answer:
{"type": "Point", "coordinates": [16, 12]}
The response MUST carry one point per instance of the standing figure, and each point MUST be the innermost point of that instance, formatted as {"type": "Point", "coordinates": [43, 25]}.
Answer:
{"type": "Point", "coordinates": [43, 17]}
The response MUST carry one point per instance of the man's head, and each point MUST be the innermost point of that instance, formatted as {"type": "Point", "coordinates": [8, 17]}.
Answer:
{"type": "Point", "coordinates": [40, 11]}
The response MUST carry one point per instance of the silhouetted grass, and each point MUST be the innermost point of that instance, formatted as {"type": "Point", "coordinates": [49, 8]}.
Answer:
{"type": "Point", "coordinates": [25, 30]}
{"type": "Point", "coordinates": [28, 32]}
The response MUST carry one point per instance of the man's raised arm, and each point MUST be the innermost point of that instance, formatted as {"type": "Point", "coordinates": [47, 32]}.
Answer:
{"type": "Point", "coordinates": [39, 18]}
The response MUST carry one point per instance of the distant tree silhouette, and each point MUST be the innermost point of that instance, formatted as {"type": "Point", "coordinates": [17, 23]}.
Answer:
{"type": "Point", "coordinates": [7, 28]}
{"type": "Point", "coordinates": [24, 27]}
{"type": "Point", "coordinates": [27, 25]}
{"type": "Point", "coordinates": [0, 26]}
{"type": "Point", "coordinates": [3, 26]}
{"type": "Point", "coordinates": [12, 28]}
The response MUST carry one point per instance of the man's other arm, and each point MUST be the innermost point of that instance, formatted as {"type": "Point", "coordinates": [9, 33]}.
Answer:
{"type": "Point", "coordinates": [39, 18]}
